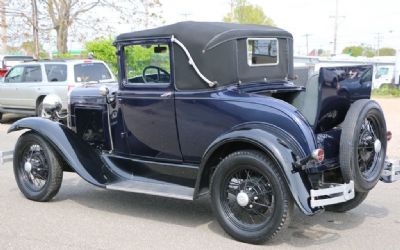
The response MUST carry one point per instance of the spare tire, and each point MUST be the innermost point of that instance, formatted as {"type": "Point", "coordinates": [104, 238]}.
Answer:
{"type": "Point", "coordinates": [363, 144]}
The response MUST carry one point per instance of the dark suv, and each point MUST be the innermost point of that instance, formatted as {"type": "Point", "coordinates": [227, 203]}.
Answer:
{"type": "Point", "coordinates": [210, 109]}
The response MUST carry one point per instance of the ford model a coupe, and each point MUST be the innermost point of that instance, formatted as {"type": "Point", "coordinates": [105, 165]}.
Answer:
{"type": "Point", "coordinates": [210, 108]}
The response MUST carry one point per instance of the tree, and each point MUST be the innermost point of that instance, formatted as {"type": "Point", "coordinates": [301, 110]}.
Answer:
{"type": "Point", "coordinates": [387, 52]}
{"type": "Point", "coordinates": [353, 51]}
{"type": "Point", "coordinates": [246, 13]}
{"type": "Point", "coordinates": [360, 50]}
{"type": "Point", "coordinates": [75, 19]}
{"type": "Point", "coordinates": [103, 49]}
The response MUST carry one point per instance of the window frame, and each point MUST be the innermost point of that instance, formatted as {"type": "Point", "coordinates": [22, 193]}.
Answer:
{"type": "Point", "coordinates": [249, 62]}
{"type": "Point", "coordinates": [122, 66]}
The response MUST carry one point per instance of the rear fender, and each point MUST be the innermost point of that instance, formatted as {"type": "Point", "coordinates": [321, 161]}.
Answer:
{"type": "Point", "coordinates": [78, 154]}
{"type": "Point", "coordinates": [269, 143]}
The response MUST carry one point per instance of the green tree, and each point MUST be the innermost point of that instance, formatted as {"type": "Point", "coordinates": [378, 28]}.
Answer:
{"type": "Point", "coordinates": [246, 13]}
{"type": "Point", "coordinates": [353, 51]}
{"type": "Point", "coordinates": [103, 49]}
{"type": "Point", "coordinates": [387, 52]}
{"type": "Point", "coordinates": [360, 50]}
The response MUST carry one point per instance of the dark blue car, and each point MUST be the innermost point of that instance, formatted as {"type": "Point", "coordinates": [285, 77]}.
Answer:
{"type": "Point", "coordinates": [210, 109]}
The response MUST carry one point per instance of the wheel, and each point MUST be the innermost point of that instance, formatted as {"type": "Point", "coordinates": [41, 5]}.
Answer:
{"type": "Point", "coordinates": [37, 169]}
{"type": "Point", "coordinates": [348, 205]}
{"type": "Point", "coordinates": [1, 116]}
{"type": "Point", "coordinates": [363, 145]}
{"type": "Point", "coordinates": [249, 197]}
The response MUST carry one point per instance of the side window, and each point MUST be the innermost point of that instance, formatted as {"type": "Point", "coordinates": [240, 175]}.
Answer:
{"type": "Point", "coordinates": [147, 64]}
{"type": "Point", "coordinates": [32, 74]}
{"type": "Point", "coordinates": [15, 75]}
{"type": "Point", "coordinates": [262, 51]}
{"type": "Point", "coordinates": [56, 72]}
{"type": "Point", "coordinates": [367, 76]}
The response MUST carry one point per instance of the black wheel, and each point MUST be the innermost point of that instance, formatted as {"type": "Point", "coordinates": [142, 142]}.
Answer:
{"type": "Point", "coordinates": [37, 170]}
{"type": "Point", "coordinates": [1, 116]}
{"type": "Point", "coordinates": [363, 144]}
{"type": "Point", "coordinates": [348, 205]}
{"type": "Point", "coordinates": [249, 197]}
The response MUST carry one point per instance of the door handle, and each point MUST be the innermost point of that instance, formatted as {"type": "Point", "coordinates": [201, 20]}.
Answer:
{"type": "Point", "coordinates": [166, 94]}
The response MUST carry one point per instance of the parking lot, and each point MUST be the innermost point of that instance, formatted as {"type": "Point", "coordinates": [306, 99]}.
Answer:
{"type": "Point", "coordinates": [85, 217]}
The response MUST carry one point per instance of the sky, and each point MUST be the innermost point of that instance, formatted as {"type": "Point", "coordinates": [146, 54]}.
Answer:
{"type": "Point", "coordinates": [360, 20]}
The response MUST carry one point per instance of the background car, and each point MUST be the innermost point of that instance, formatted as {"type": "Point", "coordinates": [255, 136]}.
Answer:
{"type": "Point", "coordinates": [8, 61]}
{"type": "Point", "coordinates": [25, 85]}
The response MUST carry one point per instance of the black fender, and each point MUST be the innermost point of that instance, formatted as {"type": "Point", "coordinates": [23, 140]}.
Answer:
{"type": "Point", "coordinates": [78, 154]}
{"type": "Point", "coordinates": [275, 147]}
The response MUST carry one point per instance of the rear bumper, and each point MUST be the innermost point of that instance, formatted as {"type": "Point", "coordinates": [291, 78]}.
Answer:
{"type": "Point", "coordinates": [338, 193]}
{"type": "Point", "coordinates": [6, 156]}
{"type": "Point", "coordinates": [391, 172]}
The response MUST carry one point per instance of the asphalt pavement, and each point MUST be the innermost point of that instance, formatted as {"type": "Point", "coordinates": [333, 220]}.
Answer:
{"type": "Point", "coordinates": [85, 217]}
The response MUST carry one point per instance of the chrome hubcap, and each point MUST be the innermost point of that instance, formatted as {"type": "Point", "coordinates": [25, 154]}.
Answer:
{"type": "Point", "coordinates": [28, 167]}
{"type": "Point", "coordinates": [377, 146]}
{"type": "Point", "coordinates": [242, 199]}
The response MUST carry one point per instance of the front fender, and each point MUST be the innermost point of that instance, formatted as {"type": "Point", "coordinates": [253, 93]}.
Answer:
{"type": "Point", "coordinates": [275, 147]}
{"type": "Point", "coordinates": [78, 154]}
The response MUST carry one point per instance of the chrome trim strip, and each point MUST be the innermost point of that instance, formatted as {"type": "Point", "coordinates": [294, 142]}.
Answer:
{"type": "Point", "coordinates": [192, 63]}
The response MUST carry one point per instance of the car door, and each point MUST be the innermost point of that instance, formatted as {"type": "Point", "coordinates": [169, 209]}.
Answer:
{"type": "Point", "coordinates": [30, 86]}
{"type": "Point", "coordinates": [146, 99]}
{"type": "Point", "coordinates": [9, 95]}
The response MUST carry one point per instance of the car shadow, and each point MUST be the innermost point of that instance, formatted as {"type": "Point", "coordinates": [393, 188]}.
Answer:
{"type": "Point", "coordinates": [303, 230]}
{"type": "Point", "coordinates": [171, 211]}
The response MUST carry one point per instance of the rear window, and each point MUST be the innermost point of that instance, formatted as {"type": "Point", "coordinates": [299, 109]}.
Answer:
{"type": "Point", "coordinates": [262, 51]}
{"type": "Point", "coordinates": [56, 72]}
{"type": "Point", "coordinates": [87, 72]}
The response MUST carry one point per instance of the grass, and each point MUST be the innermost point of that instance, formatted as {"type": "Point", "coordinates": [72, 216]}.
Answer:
{"type": "Point", "coordinates": [386, 91]}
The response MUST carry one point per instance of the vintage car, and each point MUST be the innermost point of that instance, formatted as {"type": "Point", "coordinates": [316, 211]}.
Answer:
{"type": "Point", "coordinates": [211, 109]}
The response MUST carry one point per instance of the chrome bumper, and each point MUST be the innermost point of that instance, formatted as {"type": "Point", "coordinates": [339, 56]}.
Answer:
{"type": "Point", "coordinates": [6, 156]}
{"type": "Point", "coordinates": [391, 172]}
{"type": "Point", "coordinates": [337, 193]}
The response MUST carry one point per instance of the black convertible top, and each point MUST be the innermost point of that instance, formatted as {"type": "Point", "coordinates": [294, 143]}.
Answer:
{"type": "Point", "coordinates": [207, 34]}
{"type": "Point", "coordinates": [220, 52]}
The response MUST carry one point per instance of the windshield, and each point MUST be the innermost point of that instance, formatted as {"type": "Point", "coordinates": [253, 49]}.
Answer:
{"type": "Point", "coordinates": [88, 72]}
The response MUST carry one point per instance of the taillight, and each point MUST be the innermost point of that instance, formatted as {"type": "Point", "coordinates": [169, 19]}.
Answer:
{"type": "Point", "coordinates": [71, 86]}
{"type": "Point", "coordinates": [3, 72]}
{"type": "Point", "coordinates": [318, 154]}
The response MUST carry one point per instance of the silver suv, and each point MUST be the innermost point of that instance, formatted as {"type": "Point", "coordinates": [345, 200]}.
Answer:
{"type": "Point", "coordinates": [25, 85]}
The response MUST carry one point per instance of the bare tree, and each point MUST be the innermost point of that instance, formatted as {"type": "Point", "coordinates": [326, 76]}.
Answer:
{"type": "Point", "coordinates": [74, 20]}
{"type": "Point", "coordinates": [3, 27]}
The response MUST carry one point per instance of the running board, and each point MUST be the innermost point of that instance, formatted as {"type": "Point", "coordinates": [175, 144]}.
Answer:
{"type": "Point", "coordinates": [152, 188]}
{"type": "Point", "coordinates": [6, 156]}
{"type": "Point", "coordinates": [337, 193]}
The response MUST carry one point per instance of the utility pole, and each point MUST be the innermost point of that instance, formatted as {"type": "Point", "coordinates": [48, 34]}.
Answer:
{"type": "Point", "coordinates": [307, 36]}
{"type": "Point", "coordinates": [336, 25]}
{"type": "Point", "coordinates": [35, 29]}
{"type": "Point", "coordinates": [3, 28]}
{"type": "Point", "coordinates": [379, 38]}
